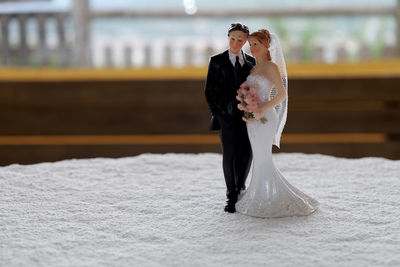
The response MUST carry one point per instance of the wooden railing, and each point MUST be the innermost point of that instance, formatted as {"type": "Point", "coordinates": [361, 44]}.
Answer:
{"type": "Point", "coordinates": [79, 50]}
{"type": "Point", "coordinates": [41, 54]}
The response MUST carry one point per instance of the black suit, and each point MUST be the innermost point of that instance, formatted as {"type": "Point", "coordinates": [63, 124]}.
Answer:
{"type": "Point", "coordinates": [220, 91]}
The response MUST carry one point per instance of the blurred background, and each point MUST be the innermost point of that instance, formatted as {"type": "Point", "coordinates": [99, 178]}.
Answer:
{"type": "Point", "coordinates": [81, 78]}
{"type": "Point", "coordinates": [156, 33]}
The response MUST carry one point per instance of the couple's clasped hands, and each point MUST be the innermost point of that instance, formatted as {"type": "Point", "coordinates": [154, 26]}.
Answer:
{"type": "Point", "coordinates": [259, 111]}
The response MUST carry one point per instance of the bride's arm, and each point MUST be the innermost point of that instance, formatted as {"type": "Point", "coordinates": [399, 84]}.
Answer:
{"type": "Point", "coordinates": [280, 94]}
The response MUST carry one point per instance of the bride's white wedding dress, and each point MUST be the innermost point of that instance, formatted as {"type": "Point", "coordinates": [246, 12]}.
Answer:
{"type": "Point", "coordinates": [269, 194]}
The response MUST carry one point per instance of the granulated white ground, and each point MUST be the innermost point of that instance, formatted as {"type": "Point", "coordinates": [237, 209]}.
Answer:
{"type": "Point", "coordinates": [167, 210]}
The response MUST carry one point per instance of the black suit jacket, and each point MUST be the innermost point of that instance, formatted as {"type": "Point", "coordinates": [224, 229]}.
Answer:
{"type": "Point", "coordinates": [220, 89]}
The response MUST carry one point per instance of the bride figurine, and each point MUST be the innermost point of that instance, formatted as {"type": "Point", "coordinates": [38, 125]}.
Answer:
{"type": "Point", "coordinates": [269, 194]}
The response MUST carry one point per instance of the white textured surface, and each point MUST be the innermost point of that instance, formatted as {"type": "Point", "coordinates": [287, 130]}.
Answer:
{"type": "Point", "coordinates": [167, 210]}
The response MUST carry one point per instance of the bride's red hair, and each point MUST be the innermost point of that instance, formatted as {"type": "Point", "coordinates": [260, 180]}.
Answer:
{"type": "Point", "coordinates": [264, 37]}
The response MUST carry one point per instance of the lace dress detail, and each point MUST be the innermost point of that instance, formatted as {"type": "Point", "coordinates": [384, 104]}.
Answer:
{"type": "Point", "coordinates": [269, 194]}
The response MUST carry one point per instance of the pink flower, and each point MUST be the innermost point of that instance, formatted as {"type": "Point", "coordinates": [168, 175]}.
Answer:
{"type": "Point", "coordinates": [252, 106]}
{"type": "Point", "coordinates": [247, 99]}
{"type": "Point", "coordinates": [248, 102]}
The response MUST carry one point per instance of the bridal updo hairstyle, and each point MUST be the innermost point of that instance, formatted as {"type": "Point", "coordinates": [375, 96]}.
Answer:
{"type": "Point", "coordinates": [264, 37]}
{"type": "Point", "coordinates": [238, 27]}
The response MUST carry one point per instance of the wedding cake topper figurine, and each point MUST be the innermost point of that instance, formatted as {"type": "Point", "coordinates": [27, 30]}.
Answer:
{"type": "Point", "coordinates": [268, 194]}
{"type": "Point", "coordinates": [226, 72]}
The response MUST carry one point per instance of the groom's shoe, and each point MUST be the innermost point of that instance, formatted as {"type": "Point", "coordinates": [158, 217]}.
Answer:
{"type": "Point", "coordinates": [230, 208]}
{"type": "Point", "coordinates": [230, 203]}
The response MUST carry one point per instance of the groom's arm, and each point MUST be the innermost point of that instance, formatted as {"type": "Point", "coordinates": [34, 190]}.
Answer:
{"type": "Point", "coordinates": [251, 59]}
{"type": "Point", "coordinates": [212, 96]}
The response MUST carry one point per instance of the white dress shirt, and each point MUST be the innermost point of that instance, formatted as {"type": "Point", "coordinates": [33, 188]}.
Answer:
{"type": "Point", "coordinates": [232, 58]}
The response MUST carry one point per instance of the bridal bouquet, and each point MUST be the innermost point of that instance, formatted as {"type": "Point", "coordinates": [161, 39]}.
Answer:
{"type": "Point", "coordinates": [249, 100]}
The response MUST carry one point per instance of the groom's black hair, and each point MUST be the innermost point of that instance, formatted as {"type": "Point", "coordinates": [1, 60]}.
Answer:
{"type": "Point", "coordinates": [238, 27]}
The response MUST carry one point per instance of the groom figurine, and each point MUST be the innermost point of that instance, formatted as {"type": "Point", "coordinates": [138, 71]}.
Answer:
{"type": "Point", "coordinates": [226, 72]}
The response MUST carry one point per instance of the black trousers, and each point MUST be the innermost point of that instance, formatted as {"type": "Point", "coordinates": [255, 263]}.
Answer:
{"type": "Point", "coordinates": [236, 152]}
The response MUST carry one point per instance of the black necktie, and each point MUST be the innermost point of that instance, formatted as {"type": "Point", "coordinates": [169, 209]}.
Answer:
{"type": "Point", "coordinates": [237, 63]}
{"type": "Point", "coordinates": [237, 70]}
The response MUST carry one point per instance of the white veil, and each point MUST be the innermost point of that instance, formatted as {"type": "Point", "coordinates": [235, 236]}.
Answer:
{"type": "Point", "coordinates": [276, 52]}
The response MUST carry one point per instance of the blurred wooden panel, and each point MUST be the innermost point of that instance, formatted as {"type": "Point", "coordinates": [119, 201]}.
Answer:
{"type": "Point", "coordinates": [178, 120]}
{"type": "Point", "coordinates": [350, 117]}
{"type": "Point", "coordinates": [179, 139]}
{"type": "Point", "coordinates": [390, 150]}
{"type": "Point", "coordinates": [141, 91]}
{"type": "Point", "coordinates": [312, 70]}
{"type": "Point", "coordinates": [344, 89]}
{"type": "Point", "coordinates": [338, 105]}
{"type": "Point", "coordinates": [102, 94]}
{"type": "Point", "coordinates": [28, 154]}
{"type": "Point", "coordinates": [156, 107]}
{"type": "Point", "coordinates": [343, 121]}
